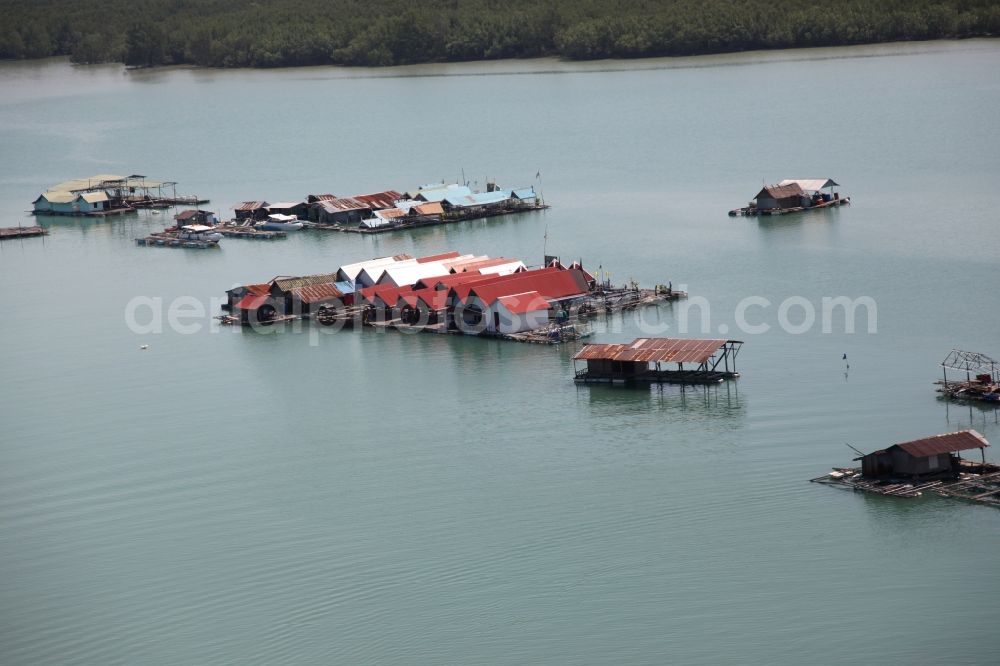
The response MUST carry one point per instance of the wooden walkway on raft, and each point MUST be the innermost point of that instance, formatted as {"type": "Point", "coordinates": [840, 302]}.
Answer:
{"type": "Point", "coordinates": [751, 211]}
{"type": "Point", "coordinates": [610, 301]}
{"type": "Point", "coordinates": [421, 222]}
{"type": "Point", "coordinates": [549, 335]}
{"type": "Point", "coordinates": [249, 232]}
{"type": "Point", "coordinates": [22, 232]}
{"type": "Point", "coordinates": [978, 482]}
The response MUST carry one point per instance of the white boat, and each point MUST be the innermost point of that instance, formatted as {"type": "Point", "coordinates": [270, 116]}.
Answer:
{"type": "Point", "coordinates": [199, 232]}
{"type": "Point", "coordinates": [279, 222]}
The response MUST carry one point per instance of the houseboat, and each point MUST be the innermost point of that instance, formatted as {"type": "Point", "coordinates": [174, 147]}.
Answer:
{"type": "Point", "coordinates": [793, 196]}
{"type": "Point", "coordinates": [932, 464]}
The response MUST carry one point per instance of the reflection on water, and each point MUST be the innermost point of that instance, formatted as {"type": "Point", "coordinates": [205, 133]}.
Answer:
{"type": "Point", "coordinates": [719, 404]}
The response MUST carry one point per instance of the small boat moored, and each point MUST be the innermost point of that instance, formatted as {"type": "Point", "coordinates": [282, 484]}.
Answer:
{"type": "Point", "coordinates": [279, 222]}
{"type": "Point", "coordinates": [199, 232]}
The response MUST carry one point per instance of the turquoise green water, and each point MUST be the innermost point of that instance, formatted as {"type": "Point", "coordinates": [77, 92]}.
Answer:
{"type": "Point", "coordinates": [233, 497]}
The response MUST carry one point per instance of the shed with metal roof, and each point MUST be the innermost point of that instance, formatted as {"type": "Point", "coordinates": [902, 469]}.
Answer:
{"type": "Point", "coordinates": [659, 360]}
{"type": "Point", "coordinates": [251, 210]}
{"type": "Point", "coordinates": [927, 458]}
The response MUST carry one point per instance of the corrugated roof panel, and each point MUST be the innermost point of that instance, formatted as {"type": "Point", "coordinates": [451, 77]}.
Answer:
{"type": "Point", "coordinates": [810, 184]}
{"type": "Point", "coordinates": [409, 274]}
{"type": "Point", "coordinates": [951, 442]}
{"type": "Point", "coordinates": [530, 301]}
{"type": "Point", "coordinates": [317, 293]}
{"type": "Point", "coordinates": [380, 200]}
{"type": "Point", "coordinates": [440, 194]}
{"type": "Point", "coordinates": [433, 208]}
{"type": "Point", "coordinates": [289, 283]}
{"type": "Point", "coordinates": [461, 290]}
{"type": "Point", "coordinates": [556, 285]}
{"type": "Point", "coordinates": [655, 350]}
{"type": "Point", "coordinates": [351, 271]}
{"type": "Point", "coordinates": [781, 191]}
{"type": "Point", "coordinates": [252, 301]}
{"type": "Point", "coordinates": [439, 257]}
{"type": "Point", "coordinates": [59, 197]}
{"type": "Point", "coordinates": [433, 299]}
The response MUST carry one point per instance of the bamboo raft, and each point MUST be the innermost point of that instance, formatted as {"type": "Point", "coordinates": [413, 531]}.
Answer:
{"type": "Point", "coordinates": [163, 240]}
{"type": "Point", "coordinates": [979, 482]}
{"type": "Point", "coordinates": [752, 211]}
{"type": "Point", "coordinates": [22, 232]}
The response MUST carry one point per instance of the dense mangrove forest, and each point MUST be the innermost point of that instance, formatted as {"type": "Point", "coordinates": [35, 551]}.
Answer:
{"type": "Point", "coordinates": [280, 33]}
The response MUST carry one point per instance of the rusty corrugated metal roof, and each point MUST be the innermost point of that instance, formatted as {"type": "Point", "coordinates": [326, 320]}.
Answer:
{"type": "Point", "coordinates": [951, 442]}
{"type": "Point", "coordinates": [252, 302]}
{"type": "Point", "coordinates": [433, 208]}
{"type": "Point", "coordinates": [317, 293]}
{"type": "Point", "coordinates": [380, 200]}
{"type": "Point", "coordinates": [289, 283]}
{"type": "Point", "coordinates": [342, 204]}
{"type": "Point", "coordinates": [251, 205]}
{"type": "Point", "coordinates": [653, 350]}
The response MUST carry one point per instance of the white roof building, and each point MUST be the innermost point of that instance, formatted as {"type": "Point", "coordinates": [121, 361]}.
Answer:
{"type": "Point", "coordinates": [401, 276]}
{"type": "Point", "coordinates": [810, 184]}
{"type": "Point", "coordinates": [350, 272]}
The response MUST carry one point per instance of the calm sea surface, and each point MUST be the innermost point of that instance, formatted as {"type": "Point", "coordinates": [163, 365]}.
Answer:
{"type": "Point", "coordinates": [361, 498]}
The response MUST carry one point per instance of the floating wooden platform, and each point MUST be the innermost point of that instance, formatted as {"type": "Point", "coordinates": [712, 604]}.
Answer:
{"type": "Point", "coordinates": [250, 232]}
{"type": "Point", "coordinates": [750, 211]}
{"type": "Point", "coordinates": [22, 232]}
{"type": "Point", "coordinates": [421, 222]}
{"type": "Point", "coordinates": [609, 301]}
{"type": "Point", "coordinates": [169, 241]}
{"type": "Point", "coordinates": [165, 202]}
{"type": "Point", "coordinates": [93, 213]}
{"type": "Point", "coordinates": [660, 377]}
{"type": "Point", "coordinates": [977, 482]}
{"type": "Point", "coordinates": [972, 390]}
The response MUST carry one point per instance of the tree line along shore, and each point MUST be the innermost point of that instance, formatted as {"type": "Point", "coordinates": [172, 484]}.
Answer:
{"type": "Point", "coordinates": [285, 33]}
